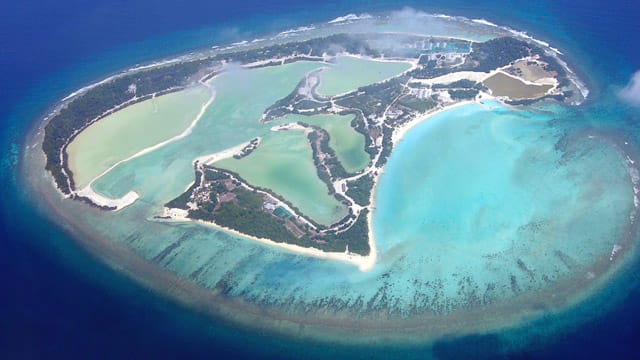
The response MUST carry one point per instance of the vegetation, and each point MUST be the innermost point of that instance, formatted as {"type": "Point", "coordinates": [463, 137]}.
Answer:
{"type": "Point", "coordinates": [360, 190]}
{"type": "Point", "coordinates": [79, 113]}
{"type": "Point", "coordinates": [181, 201]}
{"type": "Point", "coordinates": [248, 199]}
{"type": "Point", "coordinates": [373, 100]}
{"type": "Point", "coordinates": [420, 105]}
{"type": "Point", "coordinates": [251, 222]}
{"type": "Point", "coordinates": [387, 145]}
{"type": "Point", "coordinates": [295, 103]}
{"type": "Point", "coordinates": [212, 175]}
{"type": "Point", "coordinates": [330, 167]}
{"type": "Point", "coordinates": [331, 159]}
{"type": "Point", "coordinates": [358, 124]}
{"type": "Point", "coordinates": [429, 69]}
{"type": "Point", "coordinates": [357, 236]}
{"type": "Point", "coordinates": [308, 49]}
{"type": "Point", "coordinates": [464, 94]}
{"type": "Point", "coordinates": [248, 149]}
{"type": "Point", "coordinates": [495, 53]}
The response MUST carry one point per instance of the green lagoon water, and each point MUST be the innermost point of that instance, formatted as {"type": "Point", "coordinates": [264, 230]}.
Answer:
{"type": "Point", "coordinates": [345, 140]}
{"type": "Point", "coordinates": [350, 73]}
{"type": "Point", "coordinates": [290, 172]}
{"type": "Point", "coordinates": [231, 119]}
{"type": "Point", "coordinates": [124, 133]}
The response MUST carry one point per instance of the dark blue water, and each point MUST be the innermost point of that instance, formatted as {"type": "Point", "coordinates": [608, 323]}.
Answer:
{"type": "Point", "coordinates": [58, 301]}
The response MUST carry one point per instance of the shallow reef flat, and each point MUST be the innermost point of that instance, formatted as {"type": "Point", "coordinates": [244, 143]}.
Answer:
{"type": "Point", "coordinates": [493, 208]}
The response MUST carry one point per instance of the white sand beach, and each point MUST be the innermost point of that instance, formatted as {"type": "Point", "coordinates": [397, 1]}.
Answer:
{"type": "Point", "coordinates": [364, 263]}
{"type": "Point", "coordinates": [401, 131]}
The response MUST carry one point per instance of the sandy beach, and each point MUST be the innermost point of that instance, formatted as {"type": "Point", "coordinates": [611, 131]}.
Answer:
{"type": "Point", "coordinates": [100, 200]}
{"type": "Point", "coordinates": [401, 132]}
{"type": "Point", "coordinates": [131, 197]}
{"type": "Point", "coordinates": [220, 155]}
{"type": "Point", "coordinates": [364, 263]}
{"type": "Point", "coordinates": [476, 76]}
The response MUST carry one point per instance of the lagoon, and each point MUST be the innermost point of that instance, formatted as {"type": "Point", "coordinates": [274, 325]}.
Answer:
{"type": "Point", "coordinates": [233, 118]}
{"type": "Point", "coordinates": [125, 132]}
{"type": "Point", "coordinates": [486, 198]}
{"type": "Point", "coordinates": [290, 173]}
{"type": "Point", "coordinates": [350, 73]}
{"type": "Point", "coordinates": [344, 139]}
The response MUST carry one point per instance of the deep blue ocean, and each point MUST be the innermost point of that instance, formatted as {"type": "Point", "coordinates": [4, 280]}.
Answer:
{"type": "Point", "coordinates": [57, 301]}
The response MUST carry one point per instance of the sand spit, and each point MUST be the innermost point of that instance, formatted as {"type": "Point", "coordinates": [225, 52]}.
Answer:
{"type": "Point", "coordinates": [364, 263]}
{"type": "Point", "coordinates": [131, 197]}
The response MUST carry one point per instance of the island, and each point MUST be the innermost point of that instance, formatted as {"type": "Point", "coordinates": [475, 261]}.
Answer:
{"type": "Point", "coordinates": [441, 73]}
{"type": "Point", "coordinates": [399, 177]}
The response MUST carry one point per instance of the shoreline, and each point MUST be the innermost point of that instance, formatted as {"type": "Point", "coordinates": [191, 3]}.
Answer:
{"type": "Point", "coordinates": [400, 132]}
{"type": "Point", "coordinates": [322, 27]}
{"type": "Point", "coordinates": [364, 263]}
{"type": "Point", "coordinates": [205, 53]}
{"type": "Point", "coordinates": [88, 192]}
{"type": "Point", "coordinates": [421, 329]}
{"type": "Point", "coordinates": [425, 328]}
{"type": "Point", "coordinates": [220, 155]}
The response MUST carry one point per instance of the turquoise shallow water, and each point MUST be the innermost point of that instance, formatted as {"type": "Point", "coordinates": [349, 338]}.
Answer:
{"type": "Point", "coordinates": [487, 197]}
{"type": "Point", "coordinates": [485, 217]}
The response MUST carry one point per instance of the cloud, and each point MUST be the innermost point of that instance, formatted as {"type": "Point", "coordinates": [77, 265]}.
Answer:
{"type": "Point", "coordinates": [631, 92]}
{"type": "Point", "coordinates": [407, 13]}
